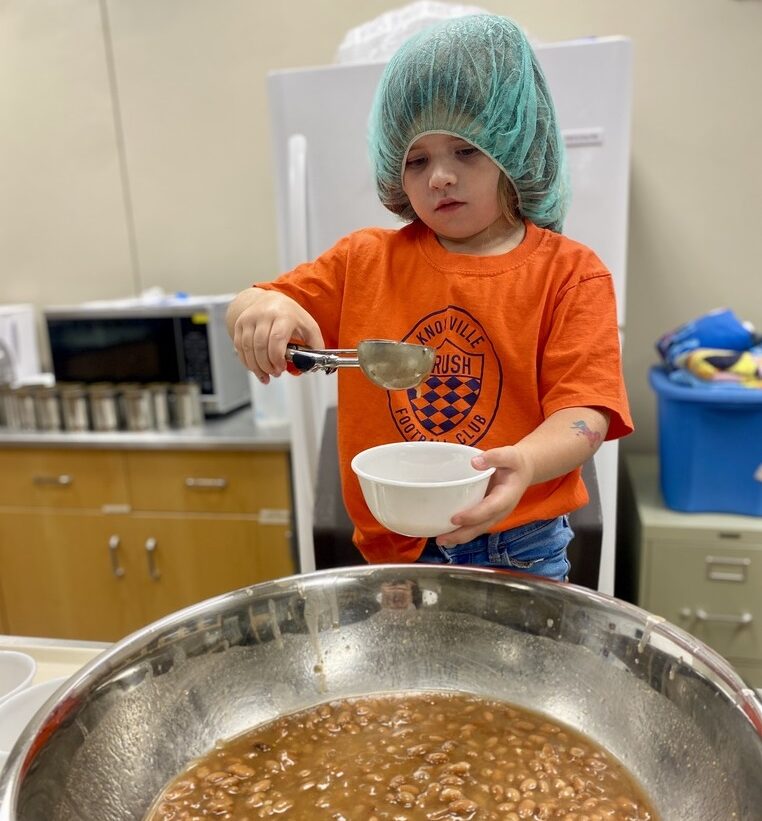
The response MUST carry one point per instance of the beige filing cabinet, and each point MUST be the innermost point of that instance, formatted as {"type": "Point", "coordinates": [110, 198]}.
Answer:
{"type": "Point", "coordinates": [700, 571]}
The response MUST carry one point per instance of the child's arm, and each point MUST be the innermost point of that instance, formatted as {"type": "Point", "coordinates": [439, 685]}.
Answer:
{"type": "Point", "coordinates": [561, 443]}
{"type": "Point", "coordinates": [261, 323]}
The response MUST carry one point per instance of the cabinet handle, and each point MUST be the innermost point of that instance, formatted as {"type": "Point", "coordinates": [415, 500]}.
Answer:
{"type": "Point", "coordinates": [715, 575]}
{"type": "Point", "coordinates": [64, 480]}
{"type": "Point", "coordinates": [206, 483]}
{"type": "Point", "coordinates": [702, 615]}
{"type": "Point", "coordinates": [113, 547]}
{"type": "Point", "coordinates": [153, 571]}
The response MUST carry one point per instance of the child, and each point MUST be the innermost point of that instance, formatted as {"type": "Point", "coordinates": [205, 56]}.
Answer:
{"type": "Point", "coordinates": [465, 148]}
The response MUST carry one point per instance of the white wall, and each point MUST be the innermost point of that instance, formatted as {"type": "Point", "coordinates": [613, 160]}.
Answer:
{"type": "Point", "coordinates": [134, 147]}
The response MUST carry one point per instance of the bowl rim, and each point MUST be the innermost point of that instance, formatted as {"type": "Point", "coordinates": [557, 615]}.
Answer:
{"type": "Point", "coordinates": [468, 480]}
{"type": "Point", "coordinates": [28, 676]}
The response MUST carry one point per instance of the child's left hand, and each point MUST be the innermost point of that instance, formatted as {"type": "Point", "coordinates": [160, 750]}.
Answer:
{"type": "Point", "coordinates": [513, 476]}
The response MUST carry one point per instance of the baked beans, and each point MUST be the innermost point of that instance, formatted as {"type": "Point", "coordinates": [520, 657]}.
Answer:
{"type": "Point", "coordinates": [412, 757]}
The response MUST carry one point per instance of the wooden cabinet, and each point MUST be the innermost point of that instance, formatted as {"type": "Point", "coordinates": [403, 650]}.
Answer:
{"type": "Point", "coordinates": [62, 478]}
{"type": "Point", "coordinates": [179, 560]}
{"type": "Point", "coordinates": [208, 482]}
{"type": "Point", "coordinates": [56, 579]}
{"type": "Point", "coordinates": [94, 545]}
{"type": "Point", "coordinates": [702, 572]}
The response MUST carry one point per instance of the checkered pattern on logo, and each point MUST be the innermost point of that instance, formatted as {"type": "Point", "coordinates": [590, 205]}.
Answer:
{"type": "Point", "coordinates": [444, 403]}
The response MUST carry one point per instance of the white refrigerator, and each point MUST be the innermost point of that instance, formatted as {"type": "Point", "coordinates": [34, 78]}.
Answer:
{"type": "Point", "coordinates": [325, 189]}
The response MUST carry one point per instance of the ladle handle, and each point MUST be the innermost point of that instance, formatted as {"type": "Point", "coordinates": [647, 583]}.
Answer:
{"type": "Point", "coordinates": [310, 359]}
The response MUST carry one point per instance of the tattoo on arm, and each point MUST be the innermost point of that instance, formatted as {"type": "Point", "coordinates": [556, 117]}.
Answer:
{"type": "Point", "coordinates": [593, 438]}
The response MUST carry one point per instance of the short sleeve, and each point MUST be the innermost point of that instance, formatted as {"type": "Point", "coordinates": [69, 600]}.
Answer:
{"type": "Point", "coordinates": [318, 286]}
{"type": "Point", "coordinates": [581, 363]}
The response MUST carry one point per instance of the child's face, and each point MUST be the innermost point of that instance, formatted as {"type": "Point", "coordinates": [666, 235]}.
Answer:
{"type": "Point", "coordinates": [452, 186]}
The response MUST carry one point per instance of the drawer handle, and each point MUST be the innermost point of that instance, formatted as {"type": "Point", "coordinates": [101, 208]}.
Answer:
{"type": "Point", "coordinates": [713, 573]}
{"type": "Point", "coordinates": [153, 571]}
{"type": "Point", "coordinates": [203, 483]}
{"type": "Point", "coordinates": [113, 547]}
{"type": "Point", "coordinates": [64, 480]}
{"type": "Point", "coordinates": [703, 616]}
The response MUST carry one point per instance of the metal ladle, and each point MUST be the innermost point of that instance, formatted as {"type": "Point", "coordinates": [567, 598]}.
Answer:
{"type": "Point", "coordinates": [391, 365]}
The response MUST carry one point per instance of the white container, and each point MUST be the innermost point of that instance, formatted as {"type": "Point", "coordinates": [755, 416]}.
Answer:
{"type": "Point", "coordinates": [415, 488]}
{"type": "Point", "coordinates": [16, 672]}
{"type": "Point", "coordinates": [19, 709]}
{"type": "Point", "coordinates": [18, 331]}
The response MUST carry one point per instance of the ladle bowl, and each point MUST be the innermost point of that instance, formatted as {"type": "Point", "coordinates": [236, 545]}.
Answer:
{"type": "Point", "coordinates": [391, 365]}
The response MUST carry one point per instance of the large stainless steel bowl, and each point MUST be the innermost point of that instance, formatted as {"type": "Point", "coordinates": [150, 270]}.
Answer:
{"type": "Point", "coordinates": [668, 707]}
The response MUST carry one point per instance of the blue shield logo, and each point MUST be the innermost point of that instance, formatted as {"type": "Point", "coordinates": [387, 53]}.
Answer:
{"type": "Point", "coordinates": [446, 398]}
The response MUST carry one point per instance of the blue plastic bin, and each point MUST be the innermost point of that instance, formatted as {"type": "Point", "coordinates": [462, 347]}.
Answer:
{"type": "Point", "coordinates": [710, 447]}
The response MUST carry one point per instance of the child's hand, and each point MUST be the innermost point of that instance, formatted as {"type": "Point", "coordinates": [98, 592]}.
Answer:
{"type": "Point", "coordinates": [513, 476]}
{"type": "Point", "coordinates": [261, 324]}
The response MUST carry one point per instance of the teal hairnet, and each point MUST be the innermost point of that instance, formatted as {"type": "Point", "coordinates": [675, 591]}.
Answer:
{"type": "Point", "coordinates": [476, 77]}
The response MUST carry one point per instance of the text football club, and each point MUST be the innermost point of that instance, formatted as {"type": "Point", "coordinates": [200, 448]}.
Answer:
{"type": "Point", "coordinates": [458, 400]}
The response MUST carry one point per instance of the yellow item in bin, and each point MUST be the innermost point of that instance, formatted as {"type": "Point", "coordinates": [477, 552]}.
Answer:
{"type": "Point", "coordinates": [718, 365]}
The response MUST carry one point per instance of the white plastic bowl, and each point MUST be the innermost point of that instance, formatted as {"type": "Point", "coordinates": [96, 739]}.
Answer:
{"type": "Point", "coordinates": [17, 711]}
{"type": "Point", "coordinates": [415, 488]}
{"type": "Point", "coordinates": [16, 672]}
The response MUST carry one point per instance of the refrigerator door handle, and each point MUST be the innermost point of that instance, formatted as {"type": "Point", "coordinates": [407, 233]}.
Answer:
{"type": "Point", "coordinates": [297, 251]}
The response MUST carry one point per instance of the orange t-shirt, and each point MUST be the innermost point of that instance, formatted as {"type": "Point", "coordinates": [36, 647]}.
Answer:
{"type": "Point", "coordinates": [518, 337]}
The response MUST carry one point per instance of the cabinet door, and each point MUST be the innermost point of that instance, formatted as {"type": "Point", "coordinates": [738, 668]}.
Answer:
{"type": "Point", "coordinates": [709, 590]}
{"type": "Point", "coordinates": [67, 575]}
{"type": "Point", "coordinates": [186, 559]}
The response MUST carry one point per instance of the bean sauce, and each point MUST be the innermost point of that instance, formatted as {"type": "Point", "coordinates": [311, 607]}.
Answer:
{"type": "Point", "coordinates": [413, 757]}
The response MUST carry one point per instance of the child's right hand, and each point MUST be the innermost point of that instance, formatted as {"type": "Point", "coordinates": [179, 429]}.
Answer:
{"type": "Point", "coordinates": [261, 323]}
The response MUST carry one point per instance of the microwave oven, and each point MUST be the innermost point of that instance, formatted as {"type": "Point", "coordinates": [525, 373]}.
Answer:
{"type": "Point", "coordinates": [176, 339]}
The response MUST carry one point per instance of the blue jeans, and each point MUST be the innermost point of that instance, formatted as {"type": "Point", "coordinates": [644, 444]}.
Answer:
{"type": "Point", "coordinates": [538, 548]}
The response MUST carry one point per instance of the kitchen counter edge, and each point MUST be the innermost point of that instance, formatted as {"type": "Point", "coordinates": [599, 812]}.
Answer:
{"type": "Point", "coordinates": [236, 430]}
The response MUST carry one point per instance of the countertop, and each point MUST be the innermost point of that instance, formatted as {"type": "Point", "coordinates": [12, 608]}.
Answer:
{"type": "Point", "coordinates": [236, 430]}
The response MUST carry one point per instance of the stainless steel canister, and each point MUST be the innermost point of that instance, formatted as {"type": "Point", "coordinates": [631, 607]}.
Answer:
{"type": "Point", "coordinates": [76, 417]}
{"type": "Point", "coordinates": [121, 389]}
{"type": "Point", "coordinates": [187, 405]}
{"type": "Point", "coordinates": [6, 400]}
{"type": "Point", "coordinates": [138, 408]}
{"type": "Point", "coordinates": [12, 410]}
{"type": "Point", "coordinates": [160, 402]}
{"type": "Point", "coordinates": [47, 405]}
{"type": "Point", "coordinates": [103, 406]}
{"type": "Point", "coordinates": [25, 408]}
